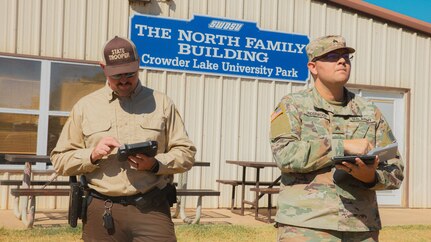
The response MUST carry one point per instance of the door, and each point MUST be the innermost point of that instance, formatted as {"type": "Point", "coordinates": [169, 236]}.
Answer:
{"type": "Point", "coordinates": [392, 105]}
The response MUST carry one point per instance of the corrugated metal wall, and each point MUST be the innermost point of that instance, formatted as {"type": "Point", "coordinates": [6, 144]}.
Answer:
{"type": "Point", "coordinates": [228, 118]}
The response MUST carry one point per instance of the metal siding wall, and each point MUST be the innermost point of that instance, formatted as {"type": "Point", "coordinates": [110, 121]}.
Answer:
{"type": "Point", "coordinates": [378, 54]}
{"type": "Point", "coordinates": [229, 135]}
{"type": "Point", "coordinates": [28, 29]}
{"type": "Point", "coordinates": [194, 121]}
{"type": "Point", "coordinates": [197, 7]}
{"type": "Point", "coordinates": [286, 15]}
{"type": "Point", "coordinates": [96, 28]}
{"type": "Point", "coordinates": [333, 20]}
{"type": "Point", "coordinates": [392, 67]}
{"type": "Point", "coordinates": [426, 116]}
{"type": "Point", "coordinates": [212, 120]}
{"type": "Point", "coordinates": [234, 9]}
{"type": "Point", "coordinates": [227, 117]}
{"type": "Point", "coordinates": [363, 59]}
{"type": "Point", "coordinates": [51, 43]}
{"type": "Point", "coordinates": [421, 122]}
{"type": "Point", "coordinates": [75, 18]}
{"type": "Point", "coordinates": [8, 25]}
{"type": "Point", "coordinates": [216, 8]}
{"type": "Point", "coordinates": [118, 19]}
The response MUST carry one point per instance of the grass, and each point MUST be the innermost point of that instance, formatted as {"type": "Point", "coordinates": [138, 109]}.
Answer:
{"type": "Point", "coordinates": [211, 233]}
{"type": "Point", "coordinates": [222, 233]}
{"type": "Point", "coordinates": [40, 234]}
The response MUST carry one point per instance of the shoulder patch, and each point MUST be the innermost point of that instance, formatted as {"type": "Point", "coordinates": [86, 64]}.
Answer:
{"type": "Point", "coordinates": [277, 112]}
{"type": "Point", "coordinates": [280, 123]}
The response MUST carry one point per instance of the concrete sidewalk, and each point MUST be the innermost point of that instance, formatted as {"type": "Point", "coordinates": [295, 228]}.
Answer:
{"type": "Point", "coordinates": [390, 217]}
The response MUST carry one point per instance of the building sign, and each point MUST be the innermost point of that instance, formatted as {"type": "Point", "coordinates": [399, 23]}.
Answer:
{"type": "Point", "coordinates": [220, 47]}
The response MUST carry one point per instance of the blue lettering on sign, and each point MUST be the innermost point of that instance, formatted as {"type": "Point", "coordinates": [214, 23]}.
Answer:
{"type": "Point", "coordinates": [220, 47]}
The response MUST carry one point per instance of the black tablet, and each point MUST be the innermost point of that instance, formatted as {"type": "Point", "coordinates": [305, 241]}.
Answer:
{"type": "Point", "coordinates": [367, 159]}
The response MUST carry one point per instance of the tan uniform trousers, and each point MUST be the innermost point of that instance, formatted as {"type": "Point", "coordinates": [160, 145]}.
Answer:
{"type": "Point", "coordinates": [130, 224]}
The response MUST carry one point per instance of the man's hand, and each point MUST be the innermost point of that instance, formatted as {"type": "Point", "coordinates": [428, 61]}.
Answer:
{"type": "Point", "coordinates": [141, 162]}
{"type": "Point", "coordinates": [360, 170]}
{"type": "Point", "coordinates": [105, 146]}
{"type": "Point", "coordinates": [357, 146]}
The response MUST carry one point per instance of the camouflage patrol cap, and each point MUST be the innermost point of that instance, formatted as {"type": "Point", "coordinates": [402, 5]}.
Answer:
{"type": "Point", "coordinates": [326, 44]}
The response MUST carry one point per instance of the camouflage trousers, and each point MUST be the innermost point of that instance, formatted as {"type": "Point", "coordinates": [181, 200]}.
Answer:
{"type": "Point", "coordinates": [298, 234]}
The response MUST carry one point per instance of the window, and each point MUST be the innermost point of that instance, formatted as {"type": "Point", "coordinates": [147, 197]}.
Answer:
{"type": "Point", "coordinates": [55, 125]}
{"type": "Point", "coordinates": [36, 97]}
{"type": "Point", "coordinates": [18, 133]}
{"type": "Point", "coordinates": [19, 83]}
{"type": "Point", "coordinates": [70, 82]}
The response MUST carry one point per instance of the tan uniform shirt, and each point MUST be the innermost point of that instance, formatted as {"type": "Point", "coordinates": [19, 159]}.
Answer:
{"type": "Point", "coordinates": [146, 115]}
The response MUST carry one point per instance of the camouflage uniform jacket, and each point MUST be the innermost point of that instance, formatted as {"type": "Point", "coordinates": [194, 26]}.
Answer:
{"type": "Point", "coordinates": [306, 131]}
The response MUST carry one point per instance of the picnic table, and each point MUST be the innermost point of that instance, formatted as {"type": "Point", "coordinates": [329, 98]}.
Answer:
{"type": "Point", "coordinates": [25, 211]}
{"type": "Point", "coordinates": [183, 192]}
{"type": "Point", "coordinates": [259, 191]}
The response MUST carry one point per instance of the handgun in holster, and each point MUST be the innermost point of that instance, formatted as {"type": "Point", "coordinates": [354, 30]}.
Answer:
{"type": "Point", "coordinates": [78, 198]}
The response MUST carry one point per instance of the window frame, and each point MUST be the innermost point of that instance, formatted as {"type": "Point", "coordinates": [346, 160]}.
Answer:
{"type": "Point", "coordinates": [43, 111]}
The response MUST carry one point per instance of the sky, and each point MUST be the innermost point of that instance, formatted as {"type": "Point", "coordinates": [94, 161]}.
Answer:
{"type": "Point", "coordinates": [419, 9]}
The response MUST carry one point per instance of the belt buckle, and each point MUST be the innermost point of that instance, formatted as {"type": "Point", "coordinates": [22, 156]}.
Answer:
{"type": "Point", "coordinates": [123, 201]}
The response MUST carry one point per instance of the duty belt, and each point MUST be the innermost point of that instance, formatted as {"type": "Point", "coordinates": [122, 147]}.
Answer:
{"type": "Point", "coordinates": [153, 198]}
{"type": "Point", "coordinates": [124, 200]}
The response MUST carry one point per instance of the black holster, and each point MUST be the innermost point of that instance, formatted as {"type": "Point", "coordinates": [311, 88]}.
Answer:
{"type": "Point", "coordinates": [171, 194]}
{"type": "Point", "coordinates": [78, 201]}
{"type": "Point", "coordinates": [157, 197]}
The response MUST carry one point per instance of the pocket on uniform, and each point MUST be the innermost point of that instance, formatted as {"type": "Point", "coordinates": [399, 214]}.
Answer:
{"type": "Point", "coordinates": [156, 124]}
{"type": "Point", "coordinates": [359, 129]}
{"type": "Point", "coordinates": [152, 128]}
{"type": "Point", "coordinates": [315, 124]}
{"type": "Point", "coordinates": [91, 128]}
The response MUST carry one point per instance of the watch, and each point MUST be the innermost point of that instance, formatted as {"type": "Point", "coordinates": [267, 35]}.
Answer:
{"type": "Point", "coordinates": [155, 168]}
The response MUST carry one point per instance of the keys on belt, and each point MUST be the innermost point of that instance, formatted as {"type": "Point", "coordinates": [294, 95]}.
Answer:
{"type": "Point", "coordinates": [108, 221]}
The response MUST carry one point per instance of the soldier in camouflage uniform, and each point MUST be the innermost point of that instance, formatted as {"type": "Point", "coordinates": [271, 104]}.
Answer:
{"type": "Point", "coordinates": [319, 201]}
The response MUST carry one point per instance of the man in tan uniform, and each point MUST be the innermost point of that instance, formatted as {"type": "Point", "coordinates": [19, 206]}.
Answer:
{"type": "Point", "coordinates": [317, 201]}
{"type": "Point", "coordinates": [128, 199]}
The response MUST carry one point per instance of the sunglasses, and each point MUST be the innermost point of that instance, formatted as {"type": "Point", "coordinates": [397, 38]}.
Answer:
{"type": "Point", "coordinates": [334, 56]}
{"type": "Point", "coordinates": [119, 76]}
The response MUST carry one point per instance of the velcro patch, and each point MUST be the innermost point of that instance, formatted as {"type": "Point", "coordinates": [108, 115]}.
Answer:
{"type": "Point", "coordinates": [277, 112]}
{"type": "Point", "coordinates": [280, 123]}
{"type": "Point", "coordinates": [317, 114]}
{"type": "Point", "coordinates": [361, 119]}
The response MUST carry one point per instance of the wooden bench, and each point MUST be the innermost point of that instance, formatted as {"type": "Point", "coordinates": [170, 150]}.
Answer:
{"type": "Point", "coordinates": [194, 192]}
{"type": "Point", "coordinates": [183, 192]}
{"type": "Point", "coordinates": [235, 183]}
{"type": "Point", "coordinates": [32, 193]}
{"type": "Point", "coordinates": [263, 191]}
{"type": "Point", "coordinates": [33, 183]}
{"type": "Point", "coordinates": [25, 190]}
{"type": "Point", "coordinates": [197, 192]}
